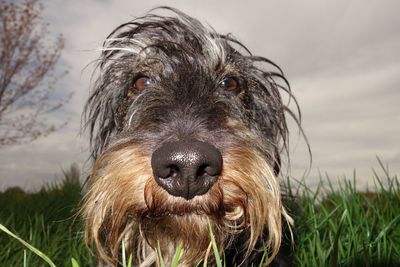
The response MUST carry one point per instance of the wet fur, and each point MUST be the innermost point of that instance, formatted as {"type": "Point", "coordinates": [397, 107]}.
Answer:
{"type": "Point", "coordinates": [186, 62]}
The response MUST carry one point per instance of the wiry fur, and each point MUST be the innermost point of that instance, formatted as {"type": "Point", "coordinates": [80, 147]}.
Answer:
{"type": "Point", "coordinates": [186, 63]}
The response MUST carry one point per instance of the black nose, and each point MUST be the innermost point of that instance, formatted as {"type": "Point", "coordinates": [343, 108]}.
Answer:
{"type": "Point", "coordinates": [186, 168]}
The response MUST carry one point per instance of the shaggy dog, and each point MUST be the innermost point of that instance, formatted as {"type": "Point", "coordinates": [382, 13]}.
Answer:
{"type": "Point", "coordinates": [187, 129]}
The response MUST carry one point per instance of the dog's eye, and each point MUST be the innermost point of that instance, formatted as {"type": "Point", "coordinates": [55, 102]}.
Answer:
{"type": "Point", "coordinates": [230, 84]}
{"type": "Point", "coordinates": [141, 82]}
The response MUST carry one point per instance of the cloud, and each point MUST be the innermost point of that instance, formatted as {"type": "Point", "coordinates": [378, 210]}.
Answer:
{"type": "Point", "coordinates": [341, 58]}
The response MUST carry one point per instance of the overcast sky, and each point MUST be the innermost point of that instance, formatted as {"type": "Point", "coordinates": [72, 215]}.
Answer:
{"type": "Point", "coordinates": [342, 59]}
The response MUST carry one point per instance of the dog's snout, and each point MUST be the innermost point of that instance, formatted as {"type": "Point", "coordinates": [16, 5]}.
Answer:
{"type": "Point", "coordinates": [186, 168]}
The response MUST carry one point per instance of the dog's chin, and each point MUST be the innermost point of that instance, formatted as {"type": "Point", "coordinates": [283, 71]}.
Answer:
{"type": "Point", "coordinates": [178, 221]}
{"type": "Point", "coordinates": [189, 229]}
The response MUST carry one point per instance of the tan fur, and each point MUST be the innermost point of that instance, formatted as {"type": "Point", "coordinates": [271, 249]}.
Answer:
{"type": "Point", "coordinates": [124, 202]}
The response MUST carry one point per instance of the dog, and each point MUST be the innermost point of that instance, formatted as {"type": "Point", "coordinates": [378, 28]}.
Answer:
{"type": "Point", "coordinates": [187, 130]}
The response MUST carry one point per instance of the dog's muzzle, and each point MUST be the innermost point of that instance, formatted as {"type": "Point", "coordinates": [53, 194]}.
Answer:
{"type": "Point", "coordinates": [186, 168]}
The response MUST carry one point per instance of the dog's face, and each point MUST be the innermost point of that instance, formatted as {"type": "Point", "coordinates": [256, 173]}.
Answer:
{"type": "Point", "coordinates": [186, 132]}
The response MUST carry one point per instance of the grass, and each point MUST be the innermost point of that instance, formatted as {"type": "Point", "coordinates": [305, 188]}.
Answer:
{"type": "Point", "coordinates": [333, 227]}
{"type": "Point", "coordinates": [349, 228]}
{"type": "Point", "coordinates": [47, 221]}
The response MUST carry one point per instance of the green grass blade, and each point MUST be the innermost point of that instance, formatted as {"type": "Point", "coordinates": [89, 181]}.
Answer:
{"type": "Point", "coordinates": [264, 258]}
{"type": "Point", "coordinates": [29, 246]}
{"type": "Point", "coordinates": [160, 257]}
{"type": "Point", "coordinates": [123, 254]}
{"type": "Point", "coordinates": [25, 263]}
{"type": "Point", "coordinates": [386, 229]}
{"type": "Point", "coordinates": [74, 262]}
{"type": "Point", "coordinates": [130, 261]}
{"type": "Point", "coordinates": [177, 256]}
{"type": "Point", "coordinates": [335, 251]}
{"type": "Point", "coordinates": [214, 246]}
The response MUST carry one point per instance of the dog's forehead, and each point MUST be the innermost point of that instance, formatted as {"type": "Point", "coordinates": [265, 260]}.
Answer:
{"type": "Point", "coordinates": [156, 42]}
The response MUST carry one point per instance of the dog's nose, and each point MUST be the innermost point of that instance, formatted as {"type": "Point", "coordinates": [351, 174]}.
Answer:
{"type": "Point", "coordinates": [186, 168]}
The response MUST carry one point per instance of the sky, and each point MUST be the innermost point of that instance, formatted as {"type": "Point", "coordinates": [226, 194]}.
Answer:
{"type": "Point", "coordinates": [342, 59]}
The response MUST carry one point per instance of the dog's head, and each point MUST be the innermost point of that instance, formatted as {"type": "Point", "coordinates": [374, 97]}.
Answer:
{"type": "Point", "coordinates": [187, 128]}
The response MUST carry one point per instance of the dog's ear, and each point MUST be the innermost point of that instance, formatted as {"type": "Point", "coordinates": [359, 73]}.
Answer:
{"type": "Point", "coordinates": [102, 114]}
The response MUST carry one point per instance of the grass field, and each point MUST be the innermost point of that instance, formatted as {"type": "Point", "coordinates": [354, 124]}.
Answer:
{"type": "Point", "coordinates": [333, 227]}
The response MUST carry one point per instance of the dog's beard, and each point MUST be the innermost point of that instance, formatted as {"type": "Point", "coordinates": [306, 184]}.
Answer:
{"type": "Point", "coordinates": [124, 203]}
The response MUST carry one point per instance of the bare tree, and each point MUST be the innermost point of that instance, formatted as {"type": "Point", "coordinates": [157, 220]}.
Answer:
{"type": "Point", "coordinates": [28, 56]}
